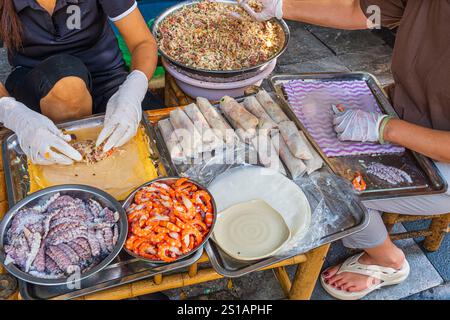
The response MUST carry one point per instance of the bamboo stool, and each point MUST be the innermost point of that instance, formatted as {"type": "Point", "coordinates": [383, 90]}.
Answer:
{"type": "Point", "coordinates": [434, 235]}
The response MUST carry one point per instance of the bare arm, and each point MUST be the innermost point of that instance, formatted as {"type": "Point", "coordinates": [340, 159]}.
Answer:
{"type": "Point", "coordinates": [140, 42]}
{"type": "Point", "coordinates": [340, 14]}
{"type": "Point", "coordinates": [3, 92]}
{"type": "Point", "coordinates": [432, 143]}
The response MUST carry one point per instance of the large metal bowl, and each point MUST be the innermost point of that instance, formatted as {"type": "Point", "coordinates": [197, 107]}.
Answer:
{"type": "Point", "coordinates": [203, 74]}
{"type": "Point", "coordinates": [127, 203]}
{"type": "Point", "coordinates": [82, 192]}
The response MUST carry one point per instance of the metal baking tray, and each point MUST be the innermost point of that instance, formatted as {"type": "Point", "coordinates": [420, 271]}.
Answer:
{"type": "Point", "coordinates": [15, 162]}
{"type": "Point", "coordinates": [355, 219]}
{"type": "Point", "coordinates": [426, 177]}
{"type": "Point", "coordinates": [124, 269]}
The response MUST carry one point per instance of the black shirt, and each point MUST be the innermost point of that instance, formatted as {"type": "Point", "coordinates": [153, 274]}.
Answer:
{"type": "Point", "coordinates": [77, 27]}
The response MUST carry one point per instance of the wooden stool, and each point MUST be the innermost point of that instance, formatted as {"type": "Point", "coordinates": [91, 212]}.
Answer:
{"type": "Point", "coordinates": [433, 235]}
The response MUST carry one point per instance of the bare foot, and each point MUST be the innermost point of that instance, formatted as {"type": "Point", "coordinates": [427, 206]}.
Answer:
{"type": "Point", "coordinates": [353, 282]}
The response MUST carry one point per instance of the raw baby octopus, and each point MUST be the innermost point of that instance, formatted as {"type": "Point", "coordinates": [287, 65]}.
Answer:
{"type": "Point", "coordinates": [63, 235]}
{"type": "Point", "coordinates": [90, 153]}
{"type": "Point", "coordinates": [167, 220]}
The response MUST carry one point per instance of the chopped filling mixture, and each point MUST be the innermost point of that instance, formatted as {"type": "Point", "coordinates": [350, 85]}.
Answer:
{"type": "Point", "coordinates": [218, 36]}
{"type": "Point", "coordinates": [90, 153]}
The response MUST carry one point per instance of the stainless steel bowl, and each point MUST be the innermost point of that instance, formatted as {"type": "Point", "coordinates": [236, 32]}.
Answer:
{"type": "Point", "coordinates": [127, 203]}
{"type": "Point", "coordinates": [202, 74]}
{"type": "Point", "coordinates": [79, 191]}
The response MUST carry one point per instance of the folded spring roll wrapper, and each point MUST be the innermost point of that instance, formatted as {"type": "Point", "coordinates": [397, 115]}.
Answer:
{"type": "Point", "coordinates": [294, 141]}
{"type": "Point", "coordinates": [296, 166]}
{"type": "Point", "coordinates": [216, 121]}
{"type": "Point", "coordinates": [188, 136]}
{"type": "Point", "coordinates": [171, 140]}
{"type": "Point", "coordinates": [265, 121]}
{"type": "Point", "coordinates": [209, 138]}
{"type": "Point", "coordinates": [271, 107]}
{"type": "Point", "coordinates": [316, 161]}
{"type": "Point", "coordinates": [267, 153]}
{"type": "Point", "coordinates": [236, 112]}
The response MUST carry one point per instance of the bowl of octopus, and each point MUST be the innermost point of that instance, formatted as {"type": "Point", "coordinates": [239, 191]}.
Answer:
{"type": "Point", "coordinates": [62, 234]}
{"type": "Point", "coordinates": [169, 219]}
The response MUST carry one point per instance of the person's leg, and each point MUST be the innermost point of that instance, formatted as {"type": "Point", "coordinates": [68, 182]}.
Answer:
{"type": "Point", "coordinates": [379, 250]}
{"type": "Point", "coordinates": [59, 87]}
{"type": "Point", "coordinates": [69, 99]}
{"type": "Point", "coordinates": [374, 240]}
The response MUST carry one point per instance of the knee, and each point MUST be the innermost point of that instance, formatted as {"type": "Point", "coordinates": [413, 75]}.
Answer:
{"type": "Point", "coordinates": [71, 92]}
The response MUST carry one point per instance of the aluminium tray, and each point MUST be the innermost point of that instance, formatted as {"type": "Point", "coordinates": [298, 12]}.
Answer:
{"type": "Point", "coordinates": [124, 269]}
{"type": "Point", "coordinates": [352, 220]}
{"type": "Point", "coordinates": [426, 177]}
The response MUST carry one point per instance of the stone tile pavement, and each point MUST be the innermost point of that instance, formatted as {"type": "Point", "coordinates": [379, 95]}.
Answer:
{"type": "Point", "coordinates": [317, 49]}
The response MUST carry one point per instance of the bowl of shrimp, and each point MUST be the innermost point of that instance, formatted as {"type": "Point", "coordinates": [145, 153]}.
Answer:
{"type": "Point", "coordinates": [169, 219]}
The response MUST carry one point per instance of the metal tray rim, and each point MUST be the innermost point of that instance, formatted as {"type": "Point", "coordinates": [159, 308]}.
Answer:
{"type": "Point", "coordinates": [24, 287]}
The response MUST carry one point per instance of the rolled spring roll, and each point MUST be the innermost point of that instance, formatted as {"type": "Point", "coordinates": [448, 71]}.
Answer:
{"type": "Point", "coordinates": [296, 166]}
{"type": "Point", "coordinates": [316, 162]}
{"type": "Point", "coordinates": [244, 135]}
{"type": "Point", "coordinates": [267, 154]}
{"type": "Point", "coordinates": [294, 140]}
{"type": "Point", "coordinates": [236, 112]}
{"type": "Point", "coordinates": [210, 140]}
{"type": "Point", "coordinates": [188, 136]}
{"type": "Point", "coordinates": [216, 121]}
{"type": "Point", "coordinates": [265, 121]}
{"type": "Point", "coordinates": [271, 107]}
{"type": "Point", "coordinates": [171, 140]}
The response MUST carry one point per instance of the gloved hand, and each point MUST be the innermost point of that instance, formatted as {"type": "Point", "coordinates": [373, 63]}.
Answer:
{"type": "Point", "coordinates": [358, 125]}
{"type": "Point", "coordinates": [39, 138]}
{"type": "Point", "coordinates": [271, 9]}
{"type": "Point", "coordinates": [124, 112]}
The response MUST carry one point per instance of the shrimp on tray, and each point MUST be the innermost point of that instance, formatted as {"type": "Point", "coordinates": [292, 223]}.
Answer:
{"type": "Point", "coordinates": [168, 219]}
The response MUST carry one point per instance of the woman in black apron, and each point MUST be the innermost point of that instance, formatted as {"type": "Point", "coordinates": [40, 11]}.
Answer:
{"type": "Point", "coordinates": [66, 65]}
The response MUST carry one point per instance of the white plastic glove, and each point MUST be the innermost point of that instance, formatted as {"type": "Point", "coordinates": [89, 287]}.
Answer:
{"type": "Point", "coordinates": [39, 138]}
{"type": "Point", "coordinates": [271, 9]}
{"type": "Point", "coordinates": [358, 125]}
{"type": "Point", "coordinates": [124, 112]}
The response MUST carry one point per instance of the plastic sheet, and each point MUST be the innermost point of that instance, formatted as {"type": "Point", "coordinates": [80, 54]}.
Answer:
{"type": "Point", "coordinates": [329, 197]}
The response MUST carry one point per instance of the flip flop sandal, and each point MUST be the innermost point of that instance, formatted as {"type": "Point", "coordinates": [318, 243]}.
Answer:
{"type": "Point", "coordinates": [388, 276]}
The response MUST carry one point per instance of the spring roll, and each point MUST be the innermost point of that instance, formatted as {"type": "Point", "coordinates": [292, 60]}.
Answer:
{"type": "Point", "coordinates": [171, 140]}
{"type": "Point", "coordinates": [271, 107]}
{"type": "Point", "coordinates": [244, 135]}
{"type": "Point", "coordinates": [296, 166]}
{"type": "Point", "coordinates": [265, 121]}
{"type": "Point", "coordinates": [236, 112]}
{"type": "Point", "coordinates": [316, 162]}
{"type": "Point", "coordinates": [188, 136]}
{"type": "Point", "coordinates": [216, 121]}
{"type": "Point", "coordinates": [209, 139]}
{"type": "Point", "coordinates": [267, 154]}
{"type": "Point", "coordinates": [294, 141]}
